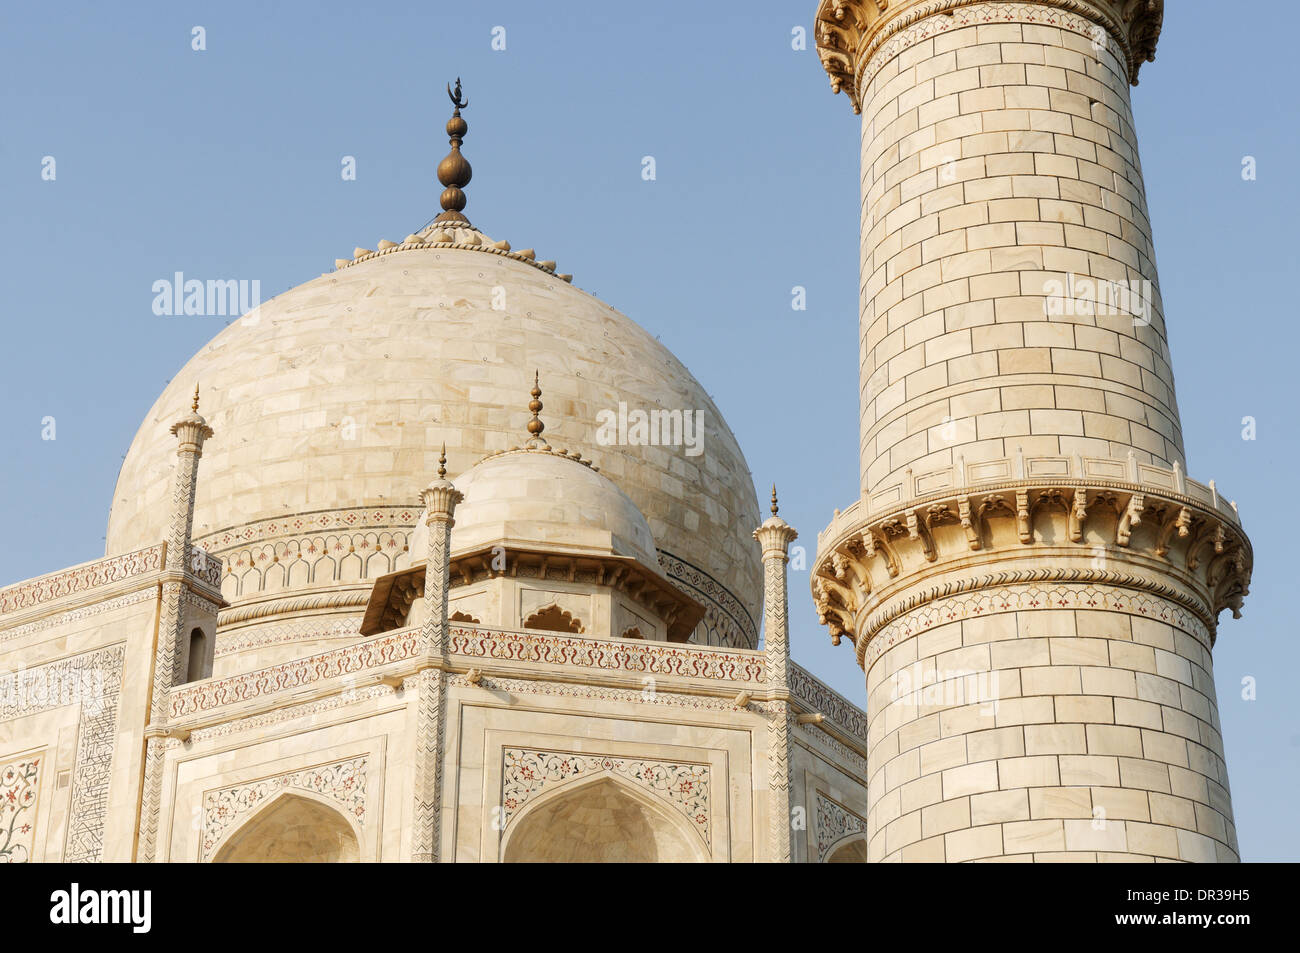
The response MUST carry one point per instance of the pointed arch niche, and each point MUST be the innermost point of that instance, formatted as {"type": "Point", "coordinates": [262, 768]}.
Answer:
{"type": "Point", "coordinates": [850, 850]}
{"type": "Point", "coordinates": [293, 827]}
{"type": "Point", "coordinates": [318, 814]}
{"type": "Point", "coordinates": [600, 820]}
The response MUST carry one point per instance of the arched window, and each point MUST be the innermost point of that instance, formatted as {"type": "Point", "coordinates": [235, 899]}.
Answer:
{"type": "Point", "coordinates": [553, 619]}
{"type": "Point", "coordinates": [198, 667]}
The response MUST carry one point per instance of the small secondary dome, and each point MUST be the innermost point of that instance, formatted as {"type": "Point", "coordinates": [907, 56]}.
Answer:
{"type": "Point", "coordinates": [537, 497]}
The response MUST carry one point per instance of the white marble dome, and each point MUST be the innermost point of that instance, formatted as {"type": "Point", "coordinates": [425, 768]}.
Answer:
{"type": "Point", "coordinates": [537, 499]}
{"type": "Point", "coordinates": [331, 402]}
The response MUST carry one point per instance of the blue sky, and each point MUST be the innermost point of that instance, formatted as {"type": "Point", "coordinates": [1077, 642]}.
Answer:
{"type": "Point", "coordinates": [226, 163]}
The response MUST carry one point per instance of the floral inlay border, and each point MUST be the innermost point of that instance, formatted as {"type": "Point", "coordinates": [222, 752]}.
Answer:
{"type": "Point", "coordinates": [683, 786]}
{"type": "Point", "coordinates": [835, 822]}
{"type": "Point", "coordinates": [342, 781]}
{"type": "Point", "coordinates": [19, 786]}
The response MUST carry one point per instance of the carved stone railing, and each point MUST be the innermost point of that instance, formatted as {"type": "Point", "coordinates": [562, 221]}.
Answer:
{"type": "Point", "coordinates": [915, 487]}
{"type": "Point", "coordinates": [204, 565]}
{"type": "Point", "coordinates": [819, 697]}
{"type": "Point", "coordinates": [102, 574]}
{"type": "Point", "coordinates": [617, 655]}
{"type": "Point", "coordinates": [77, 580]}
{"type": "Point", "coordinates": [472, 646]}
{"type": "Point", "coordinates": [297, 675]}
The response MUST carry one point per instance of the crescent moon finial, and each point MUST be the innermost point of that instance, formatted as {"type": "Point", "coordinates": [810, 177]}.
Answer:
{"type": "Point", "coordinates": [456, 98]}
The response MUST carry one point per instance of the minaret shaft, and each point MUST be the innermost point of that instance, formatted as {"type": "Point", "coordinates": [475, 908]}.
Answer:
{"type": "Point", "coordinates": [1031, 582]}
{"type": "Point", "coordinates": [774, 538]}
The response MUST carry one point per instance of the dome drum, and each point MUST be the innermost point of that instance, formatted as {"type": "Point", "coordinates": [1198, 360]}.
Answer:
{"type": "Point", "coordinates": [605, 595]}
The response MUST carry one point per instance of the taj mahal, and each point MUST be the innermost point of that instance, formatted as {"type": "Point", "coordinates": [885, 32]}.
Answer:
{"type": "Point", "coordinates": [437, 557]}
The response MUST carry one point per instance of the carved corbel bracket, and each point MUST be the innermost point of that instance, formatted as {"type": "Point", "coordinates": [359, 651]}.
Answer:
{"type": "Point", "coordinates": [1179, 523]}
{"type": "Point", "coordinates": [838, 618]}
{"type": "Point", "coordinates": [972, 532]}
{"type": "Point", "coordinates": [877, 543]}
{"type": "Point", "coordinates": [1078, 514]}
{"type": "Point", "coordinates": [1132, 517]}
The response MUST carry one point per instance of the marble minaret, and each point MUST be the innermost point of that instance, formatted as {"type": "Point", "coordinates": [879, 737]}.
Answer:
{"type": "Point", "coordinates": [1031, 581]}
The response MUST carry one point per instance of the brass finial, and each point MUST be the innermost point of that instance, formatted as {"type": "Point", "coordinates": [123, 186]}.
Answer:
{"type": "Point", "coordinates": [194, 405]}
{"type": "Point", "coordinates": [535, 426]}
{"type": "Point", "coordinates": [442, 463]}
{"type": "Point", "coordinates": [774, 506]}
{"type": "Point", "coordinates": [454, 172]}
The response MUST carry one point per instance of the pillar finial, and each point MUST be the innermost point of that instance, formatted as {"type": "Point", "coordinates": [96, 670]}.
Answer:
{"type": "Point", "coordinates": [535, 426]}
{"type": "Point", "coordinates": [442, 463]}
{"type": "Point", "coordinates": [775, 508]}
{"type": "Point", "coordinates": [194, 406]}
{"type": "Point", "coordinates": [454, 172]}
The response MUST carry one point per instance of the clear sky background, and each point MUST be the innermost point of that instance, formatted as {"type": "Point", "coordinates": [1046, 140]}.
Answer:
{"type": "Point", "coordinates": [226, 162]}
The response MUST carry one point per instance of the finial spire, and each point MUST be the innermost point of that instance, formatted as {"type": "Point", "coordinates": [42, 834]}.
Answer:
{"type": "Point", "coordinates": [774, 506]}
{"type": "Point", "coordinates": [535, 426]}
{"type": "Point", "coordinates": [442, 463]}
{"type": "Point", "coordinates": [194, 406]}
{"type": "Point", "coordinates": [454, 171]}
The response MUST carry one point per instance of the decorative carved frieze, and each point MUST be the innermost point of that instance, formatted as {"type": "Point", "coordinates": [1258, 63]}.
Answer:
{"type": "Point", "coordinates": [727, 621]}
{"type": "Point", "coordinates": [835, 824]}
{"type": "Point", "coordinates": [683, 787]}
{"type": "Point", "coordinates": [82, 612]}
{"type": "Point", "coordinates": [304, 526]}
{"type": "Point", "coordinates": [817, 696]}
{"type": "Point", "coordinates": [343, 782]}
{"type": "Point", "coordinates": [231, 641]}
{"type": "Point", "coordinates": [994, 595]}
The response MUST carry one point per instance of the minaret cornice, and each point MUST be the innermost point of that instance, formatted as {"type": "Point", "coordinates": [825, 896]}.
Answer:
{"type": "Point", "coordinates": [870, 569]}
{"type": "Point", "coordinates": [850, 32]}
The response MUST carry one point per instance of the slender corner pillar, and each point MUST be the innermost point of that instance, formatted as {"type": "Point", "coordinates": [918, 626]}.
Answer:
{"type": "Point", "coordinates": [440, 499]}
{"type": "Point", "coordinates": [775, 537]}
{"type": "Point", "coordinates": [171, 648]}
{"type": "Point", "coordinates": [1031, 582]}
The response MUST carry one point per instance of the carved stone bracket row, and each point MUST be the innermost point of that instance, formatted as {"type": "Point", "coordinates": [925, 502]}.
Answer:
{"type": "Point", "coordinates": [1108, 533]}
{"type": "Point", "coordinates": [850, 33]}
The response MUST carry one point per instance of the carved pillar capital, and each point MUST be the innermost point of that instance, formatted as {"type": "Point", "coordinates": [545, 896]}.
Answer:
{"type": "Point", "coordinates": [775, 536]}
{"type": "Point", "coordinates": [440, 499]}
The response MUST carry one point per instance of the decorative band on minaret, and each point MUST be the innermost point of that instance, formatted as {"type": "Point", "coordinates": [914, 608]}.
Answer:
{"type": "Point", "coordinates": [1031, 582]}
